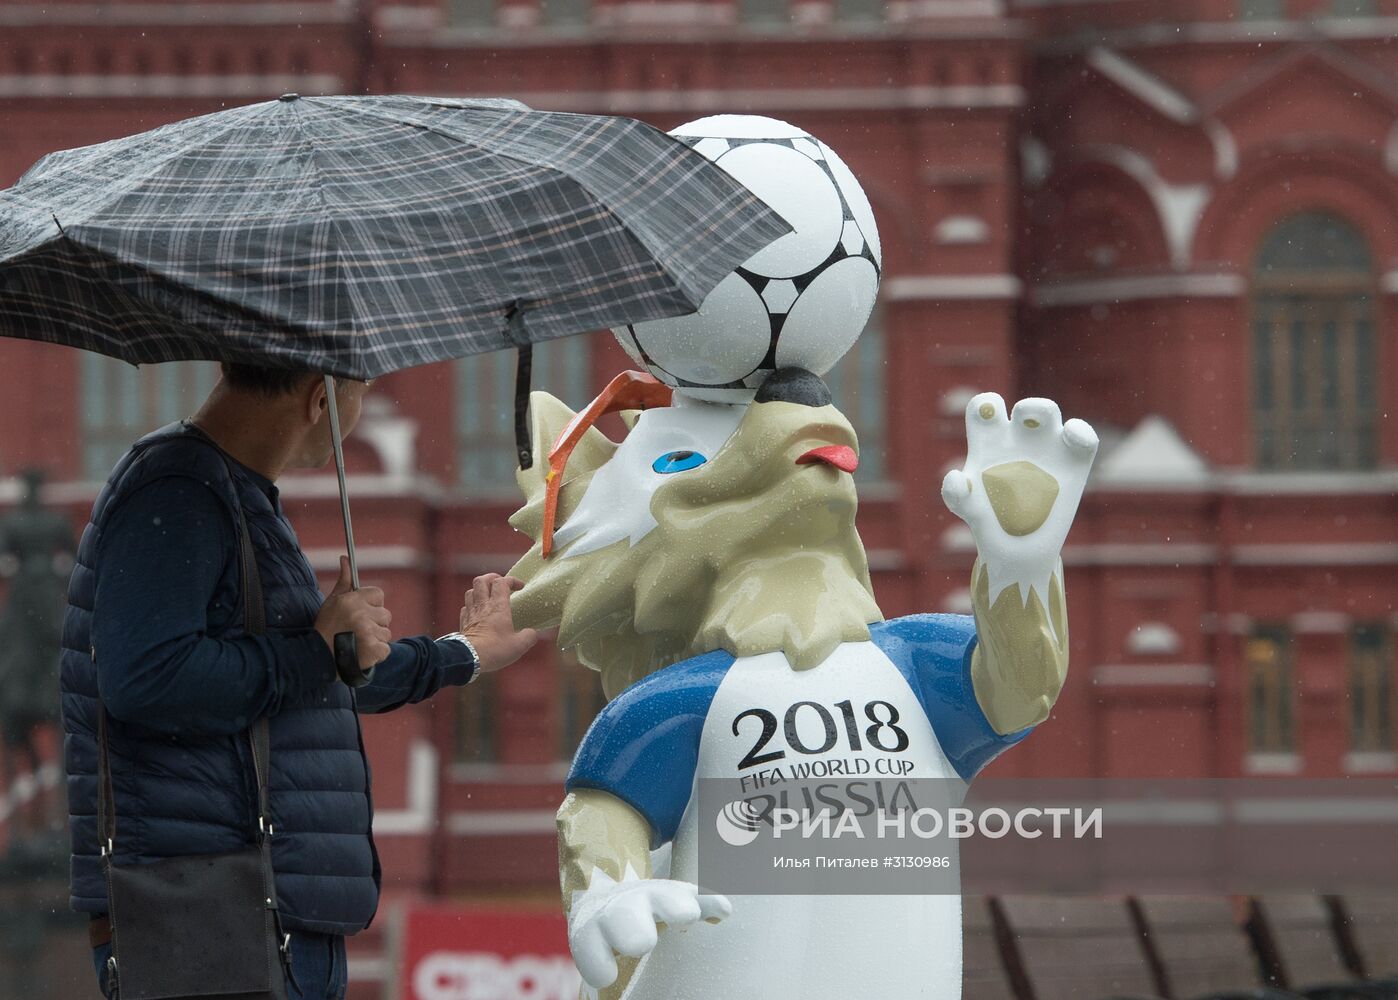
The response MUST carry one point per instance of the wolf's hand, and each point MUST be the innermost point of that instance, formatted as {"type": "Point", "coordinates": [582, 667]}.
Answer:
{"type": "Point", "coordinates": [1023, 478]}
{"type": "Point", "coordinates": [613, 918]}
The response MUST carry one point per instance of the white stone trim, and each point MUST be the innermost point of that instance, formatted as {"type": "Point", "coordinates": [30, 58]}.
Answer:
{"type": "Point", "coordinates": [958, 602]}
{"type": "Point", "coordinates": [1318, 554]}
{"type": "Point", "coordinates": [1095, 291]}
{"type": "Point", "coordinates": [299, 486]}
{"type": "Point", "coordinates": [921, 287]}
{"type": "Point", "coordinates": [961, 230]}
{"type": "Point", "coordinates": [1371, 762]}
{"type": "Point", "coordinates": [1001, 96]}
{"type": "Point", "coordinates": [364, 969]}
{"type": "Point", "coordinates": [1240, 624]}
{"type": "Point", "coordinates": [1320, 623]}
{"type": "Point", "coordinates": [419, 815]}
{"type": "Point", "coordinates": [1248, 482]}
{"type": "Point", "coordinates": [116, 86]}
{"type": "Point", "coordinates": [1226, 32]}
{"type": "Point", "coordinates": [27, 787]}
{"type": "Point", "coordinates": [1325, 809]}
{"type": "Point", "coordinates": [1178, 207]}
{"type": "Point", "coordinates": [918, 10]}
{"type": "Point", "coordinates": [408, 17]}
{"type": "Point", "coordinates": [1272, 763]}
{"type": "Point", "coordinates": [497, 822]}
{"type": "Point", "coordinates": [1031, 4]}
{"type": "Point", "coordinates": [1153, 639]}
{"type": "Point", "coordinates": [551, 773]}
{"type": "Point", "coordinates": [204, 15]}
{"type": "Point", "coordinates": [311, 486]}
{"type": "Point", "coordinates": [1143, 84]}
{"type": "Point", "coordinates": [958, 538]}
{"type": "Point", "coordinates": [370, 557]}
{"type": "Point", "coordinates": [1225, 148]}
{"type": "Point", "coordinates": [1144, 554]}
{"type": "Point", "coordinates": [675, 13]}
{"type": "Point", "coordinates": [886, 560]}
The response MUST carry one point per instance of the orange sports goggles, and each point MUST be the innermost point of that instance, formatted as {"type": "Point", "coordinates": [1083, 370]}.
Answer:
{"type": "Point", "coordinates": [630, 390]}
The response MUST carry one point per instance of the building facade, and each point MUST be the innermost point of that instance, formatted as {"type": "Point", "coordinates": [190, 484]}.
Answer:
{"type": "Point", "coordinates": [1178, 220]}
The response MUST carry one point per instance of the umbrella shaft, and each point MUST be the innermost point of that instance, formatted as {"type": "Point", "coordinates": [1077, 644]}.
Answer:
{"type": "Point", "coordinates": [340, 471]}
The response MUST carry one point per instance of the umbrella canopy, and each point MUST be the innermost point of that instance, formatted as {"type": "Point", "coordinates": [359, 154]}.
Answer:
{"type": "Point", "coordinates": [359, 235]}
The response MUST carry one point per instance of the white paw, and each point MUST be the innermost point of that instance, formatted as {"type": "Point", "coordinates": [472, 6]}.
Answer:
{"type": "Point", "coordinates": [619, 918]}
{"type": "Point", "coordinates": [1021, 516]}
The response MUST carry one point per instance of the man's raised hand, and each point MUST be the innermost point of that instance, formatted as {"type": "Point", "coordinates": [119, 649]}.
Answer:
{"type": "Point", "coordinates": [486, 620]}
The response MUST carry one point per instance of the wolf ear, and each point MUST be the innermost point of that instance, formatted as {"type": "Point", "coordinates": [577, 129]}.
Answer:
{"type": "Point", "coordinates": [548, 418]}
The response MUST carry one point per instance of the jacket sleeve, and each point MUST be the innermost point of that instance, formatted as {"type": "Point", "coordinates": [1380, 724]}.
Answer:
{"type": "Point", "coordinates": [415, 670]}
{"type": "Point", "coordinates": [162, 561]}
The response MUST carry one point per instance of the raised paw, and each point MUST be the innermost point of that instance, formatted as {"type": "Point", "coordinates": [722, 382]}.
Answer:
{"type": "Point", "coordinates": [1024, 475]}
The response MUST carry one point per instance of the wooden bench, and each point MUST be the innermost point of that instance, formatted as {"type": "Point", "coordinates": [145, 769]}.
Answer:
{"type": "Point", "coordinates": [1298, 937]}
{"type": "Point", "coordinates": [1200, 948]}
{"type": "Point", "coordinates": [1076, 948]}
{"type": "Point", "coordinates": [985, 974]}
{"type": "Point", "coordinates": [1371, 925]}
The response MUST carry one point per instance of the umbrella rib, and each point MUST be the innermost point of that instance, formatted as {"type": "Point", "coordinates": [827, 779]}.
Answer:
{"type": "Point", "coordinates": [119, 189]}
{"type": "Point", "coordinates": [470, 143]}
{"type": "Point", "coordinates": [596, 200]}
{"type": "Point", "coordinates": [328, 217]}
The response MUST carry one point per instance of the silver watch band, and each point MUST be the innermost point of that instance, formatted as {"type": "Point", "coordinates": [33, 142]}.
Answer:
{"type": "Point", "coordinates": [475, 657]}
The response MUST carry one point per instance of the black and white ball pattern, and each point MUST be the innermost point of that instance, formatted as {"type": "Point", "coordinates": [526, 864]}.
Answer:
{"type": "Point", "coordinates": [803, 299]}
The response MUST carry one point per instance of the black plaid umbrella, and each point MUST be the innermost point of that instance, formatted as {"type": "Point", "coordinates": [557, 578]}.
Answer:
{"type": "Point", "coordinates": [359, 235]}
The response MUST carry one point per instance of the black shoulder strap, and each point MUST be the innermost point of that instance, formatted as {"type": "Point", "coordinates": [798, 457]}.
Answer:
{"type": "Point", "coordinates": [254, 623]}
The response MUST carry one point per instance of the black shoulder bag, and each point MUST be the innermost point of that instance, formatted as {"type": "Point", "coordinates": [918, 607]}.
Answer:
{"type": "Point", "coordinates": [201, 926]}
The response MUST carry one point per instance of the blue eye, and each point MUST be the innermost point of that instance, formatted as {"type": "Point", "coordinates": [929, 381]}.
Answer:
{"type": "Point", "coordinates": [678, 461]}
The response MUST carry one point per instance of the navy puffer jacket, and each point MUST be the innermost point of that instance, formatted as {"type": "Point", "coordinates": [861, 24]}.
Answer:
{"type": "Point", "coordinates": [179, 794]}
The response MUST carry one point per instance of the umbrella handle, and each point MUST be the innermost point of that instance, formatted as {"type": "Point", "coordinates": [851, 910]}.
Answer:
{"type": "Point", "coordinates": [346, 648]}
{"type": "Point", "coordinates": [347, 661]}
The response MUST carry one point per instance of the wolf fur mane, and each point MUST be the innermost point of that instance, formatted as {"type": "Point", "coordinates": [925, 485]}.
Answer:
{"type": "Point", "coordinates": [751, 552]}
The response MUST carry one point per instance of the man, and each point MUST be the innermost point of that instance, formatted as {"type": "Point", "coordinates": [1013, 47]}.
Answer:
{"type": "Point", "coordinates": [154, 628]}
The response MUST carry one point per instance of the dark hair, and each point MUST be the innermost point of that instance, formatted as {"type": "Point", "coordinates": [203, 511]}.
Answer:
{"type": "Point", "coordinates": [267, 381]}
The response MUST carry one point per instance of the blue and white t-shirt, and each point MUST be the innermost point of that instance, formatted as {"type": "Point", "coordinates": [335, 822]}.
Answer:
{"type": "Point", "coordinates": [904, 699]}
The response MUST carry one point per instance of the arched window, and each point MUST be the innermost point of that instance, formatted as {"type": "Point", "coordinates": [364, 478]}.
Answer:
{"type": "Point", "coordinates": [485, 409]}
{"type": "Point", "coordinates": [1313, 346]}
{"type": "Point", "coordinates": [859, 387]}
{"type": "Point", "coordinates": [121, 403]}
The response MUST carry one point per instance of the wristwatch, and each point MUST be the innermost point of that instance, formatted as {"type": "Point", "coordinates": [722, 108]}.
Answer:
{"type": "Point", "coordinates": [475, 657]}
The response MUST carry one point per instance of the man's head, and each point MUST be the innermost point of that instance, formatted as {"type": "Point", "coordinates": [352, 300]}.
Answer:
{"type": "Point", "coordinates": [299, 403]}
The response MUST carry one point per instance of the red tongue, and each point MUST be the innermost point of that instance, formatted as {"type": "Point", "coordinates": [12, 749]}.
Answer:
{"type": "Point", "coordinates": [840, 456]}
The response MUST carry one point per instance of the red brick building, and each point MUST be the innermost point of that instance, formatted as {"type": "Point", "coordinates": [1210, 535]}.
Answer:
{"type": "Point", "coordinates": [1179, 220]}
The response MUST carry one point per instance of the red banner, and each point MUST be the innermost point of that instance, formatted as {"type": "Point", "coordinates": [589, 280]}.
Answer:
{"type": "Point", "coordinates": [470, 954]}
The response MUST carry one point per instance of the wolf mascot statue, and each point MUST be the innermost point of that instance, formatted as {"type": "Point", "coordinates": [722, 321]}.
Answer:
{"type": "Point", "coordinates": [709, 563]}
